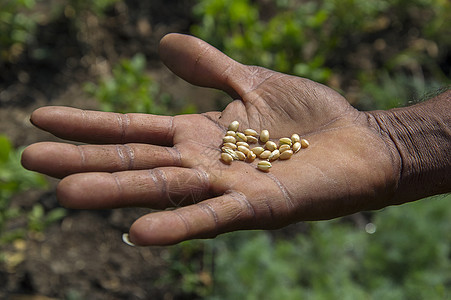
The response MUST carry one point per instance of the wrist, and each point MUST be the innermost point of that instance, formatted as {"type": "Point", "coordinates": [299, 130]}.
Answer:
{"type": "Point", "coordinates": [421, 138]}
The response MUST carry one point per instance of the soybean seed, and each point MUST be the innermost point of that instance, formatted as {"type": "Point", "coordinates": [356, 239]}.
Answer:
{"type": "Point", "coordinates": [265, 154]}
{"type": "Point", "coordinates": [229, 139]}
{"type": "Point", "coordinates": [264, 165]}
{"type": "Point", "coordinates": [286, 141]}
{"type": "Point", "coordinates": [271, 146]}
{"type": "Point", "coordinates": [251, 139]}
{"type": "Point", "coordinates": [227, 158]}
{"type": "Point", "coordinates": [258, 150]}
{"type": "Point", "coordinates": [234, 126]}
{"type": "Point", "coordinates": [286, 155]}
{"type": "Point", "coordinates": [264, 136]}
{"type": "Point", "coordinates": [295, 138]}
{"type": "Point", "coordinates": [304, 143]}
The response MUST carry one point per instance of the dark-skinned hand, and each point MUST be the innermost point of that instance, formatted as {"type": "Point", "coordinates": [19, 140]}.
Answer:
{"type": "Point", "coordinates": [165, 162]}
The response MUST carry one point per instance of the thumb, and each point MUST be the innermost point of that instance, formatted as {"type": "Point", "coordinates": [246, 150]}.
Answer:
{"type": "Point", "coordinates": [201, 64]}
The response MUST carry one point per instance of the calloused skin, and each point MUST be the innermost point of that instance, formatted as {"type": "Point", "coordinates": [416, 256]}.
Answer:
{"type": "Point", "coordinates": [162, 162]}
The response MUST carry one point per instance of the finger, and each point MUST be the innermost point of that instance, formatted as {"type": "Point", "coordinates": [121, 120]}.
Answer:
{"type": "Point", "coordinates": [157, 188]}
{"type": "Point", "coordinates": [206, 219]}
{"type": "Point", "coordinates": [59, 160]}
{"type": "Point", "coordinates": [201, 64]}
{"type": "Point", "coordinates": [103, 127]}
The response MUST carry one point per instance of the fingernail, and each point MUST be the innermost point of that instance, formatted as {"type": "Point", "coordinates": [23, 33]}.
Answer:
{"type": "Point", "coordinates": [126, 239]}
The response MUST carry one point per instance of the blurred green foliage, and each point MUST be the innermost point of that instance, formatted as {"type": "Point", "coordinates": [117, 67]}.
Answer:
{"type": "Point", "coordinates": [14, 179]}
{"type": "Point", "coordinates": [403, 253]}
{"type": "Point", "coordinates": [17, 26]}
{"type": "Point", "coordinates": [321, 39]}
{"type": "Point", "coordinates": [131, 89]}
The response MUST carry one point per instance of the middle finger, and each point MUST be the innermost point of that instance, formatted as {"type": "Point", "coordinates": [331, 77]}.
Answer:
{"type": "Point", "coordinates": [60, 159]}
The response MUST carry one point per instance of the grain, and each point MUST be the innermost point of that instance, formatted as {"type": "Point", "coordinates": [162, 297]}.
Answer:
{"type": "Point", "coordinates": [227, 158]}
{"type": "Point", "coordinates": [286, 155]}
{"type": "Point", "coordinates": [264, 165]}
{"type": "Point", "coordinates": [234, 126]}
{"type": "Point", "coordinates": [264, 136]}
{"type": "Point", "coordinates": [271, 146]}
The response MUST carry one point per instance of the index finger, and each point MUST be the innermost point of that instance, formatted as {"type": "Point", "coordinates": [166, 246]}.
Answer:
{"type": "Point", "coordinates": [104, 127]}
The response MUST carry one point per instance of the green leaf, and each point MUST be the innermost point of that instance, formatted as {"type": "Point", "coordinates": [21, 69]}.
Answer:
{"type": "Point", "coordinates": [5, 148]}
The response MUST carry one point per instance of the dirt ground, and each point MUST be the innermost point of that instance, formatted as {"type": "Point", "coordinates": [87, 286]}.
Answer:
{"type": "Point", "coordinates": [83, 256]}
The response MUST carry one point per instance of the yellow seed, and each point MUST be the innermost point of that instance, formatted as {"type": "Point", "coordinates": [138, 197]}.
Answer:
{"type": "Point", "coordinates": [229, 145]}
{"type": "Point", "coordinates": [265, 154]}
{"type": "Point", "coordinates": [242, 144]}
{"type": "Point", "coordinates": [286, 141]}
{"type": "Point", "coordinates": [286, 155]}
{"type": "Point", "coordinates": [240, 155]}
{"type": "Point", "coordinates": [304, 143]}
{"type": "Point", "coordinates": [274, 155]}
{"type": "Point", "coordinates": [251, 132]}
{"type": "Point", "coordinates": [227, 158]}
{"type": "Point", "coordinates": [271, 146]}
{"type": "Point", "coordinates": [258, 150]}
{"type": "Point", "coordinates": [264, 165]}
{"type": "Point", "coordinates": [296, 147]}
{"type": "Point", "coordinates": [241, 137]}
{"type": "Point", "coordinates": [295, 138]}
{"type": "Point", "coordinates": [243, 149]}
{"type": "Point", "coordinates": [230, 152]}
{"type": "Point", "coordinates": [264, 136]}
{"type": "Point", "coordinates": [284, 148]}
{"type": "Point", "coordinates": [234, 126]}
{"type": "Point", "coordinates": [251, 156]}
{"type": "Point", "coordinates": [251, 139]}
{"type": "Point", "coordinates": [229, 139]}
{"type": "Point", "coordinates": [231, 133]}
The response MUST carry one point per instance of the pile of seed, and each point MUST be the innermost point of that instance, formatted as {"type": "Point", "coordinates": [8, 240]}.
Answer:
{"type": "Point", "coordinates": [236, 146]}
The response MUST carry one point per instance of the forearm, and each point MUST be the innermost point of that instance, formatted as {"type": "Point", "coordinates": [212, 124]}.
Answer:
{"type": "Point", "coordinates": [421, 137]}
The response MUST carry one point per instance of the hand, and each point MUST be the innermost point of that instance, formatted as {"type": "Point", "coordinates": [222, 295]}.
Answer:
{"type": "Point", "coordinates": [162, 162]}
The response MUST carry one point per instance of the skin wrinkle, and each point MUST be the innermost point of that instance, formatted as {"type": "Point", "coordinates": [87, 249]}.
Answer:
{"type": "Point", "coordinates": [284, 191]}
{"type": "Point", "coordinates": [242, 200]}
{"type": "Point", "coordinates": [214, 121]}
{"type": "Point", "coordinates": [82, 157]}
{"type": "Point", "coordinates": [131, 155]}
{"type": "Point", "coordinates": [381, 127]}
{"type": "Point", "coordinates": [121, 155]}
{"type": "Point", "coordinates": [164, 184]}
{"type": "Point", "coordinates": [124, 122]}
{"type": "Point", "coordinates": [171, 132]}
{"type": "Point", "coordinates": [184, 221]}
{"type": "Point", "coordinates": [212, 213]}
{"type": "Point", "coordinates": [176, 155]}
{"type": "Point", "coordinates": [118, 184]}
{"type": "Point", "coordinates": [204, 185]}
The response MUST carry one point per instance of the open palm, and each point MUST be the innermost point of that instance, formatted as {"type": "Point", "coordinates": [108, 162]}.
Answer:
{"type": "Point", "coordinates": [163, 162]}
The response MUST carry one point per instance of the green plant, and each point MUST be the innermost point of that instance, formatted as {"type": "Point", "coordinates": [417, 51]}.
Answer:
{"type": "Point", "coordinates": [333, 39]}
{"type": "Point", "coordinates": [130, 89]}
{"type": "Point", "coordinates": [14, 179]}
{"type": "Point", "coordinates": [404, 254]}
{"type": "Point", "coordinates": [17, 26]}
